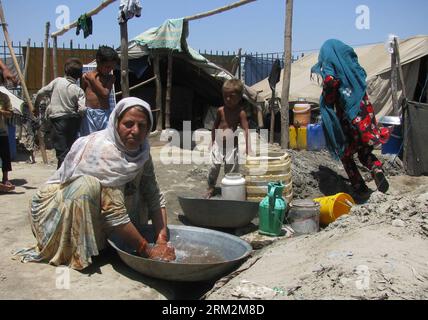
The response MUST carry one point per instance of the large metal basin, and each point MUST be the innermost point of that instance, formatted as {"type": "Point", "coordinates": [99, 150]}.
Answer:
{"type": "Point", "coordinates": [202, 254]}
{"type": "Point", "coordinates": [218, 213]}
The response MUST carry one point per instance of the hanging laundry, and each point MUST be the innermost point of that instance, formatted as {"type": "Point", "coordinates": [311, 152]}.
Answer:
{"type": "Point", "coordinates": [84, 23]}
{"type": "Point", "coordinates": [128, 9]}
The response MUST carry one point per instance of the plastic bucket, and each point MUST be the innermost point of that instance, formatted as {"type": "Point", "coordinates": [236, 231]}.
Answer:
{"type": "Point", "coordinates": [332, 207]}
{"type": "Point", "coordinates": [393, 145]}
{"type": "Point", "coordinates": [301, 115]}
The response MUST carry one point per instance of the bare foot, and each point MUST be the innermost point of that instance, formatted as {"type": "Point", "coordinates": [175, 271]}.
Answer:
{"type": "Point", "coordinates": [209, 193]}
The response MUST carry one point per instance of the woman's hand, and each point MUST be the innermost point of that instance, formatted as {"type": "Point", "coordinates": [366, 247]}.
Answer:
{"type": "Point", "coordinates": [162, 252]}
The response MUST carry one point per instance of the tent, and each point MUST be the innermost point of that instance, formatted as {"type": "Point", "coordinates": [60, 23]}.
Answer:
{"type": "Point", "coordinates": [196, 82]}
{"type": "Point", "coordinates": [376, 61]}
{"type": "Point", "coordinates": [14, 100]}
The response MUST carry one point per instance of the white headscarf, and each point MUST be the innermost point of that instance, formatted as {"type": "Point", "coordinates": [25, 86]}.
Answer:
{"type": "Point", "coordinates": [103, 155]}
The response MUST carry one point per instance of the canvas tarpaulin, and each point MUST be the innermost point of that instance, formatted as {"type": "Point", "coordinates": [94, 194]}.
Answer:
{"type": "Point", "coordinates": [171, 35]}
{"type": "Point", "coordinates": [374, 59]}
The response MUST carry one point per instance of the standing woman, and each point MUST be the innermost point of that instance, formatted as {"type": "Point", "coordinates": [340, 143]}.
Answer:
{"type": "Point", "coordinates": [106, 185]}
{"type": "Point", "coordinates": [348, 117]}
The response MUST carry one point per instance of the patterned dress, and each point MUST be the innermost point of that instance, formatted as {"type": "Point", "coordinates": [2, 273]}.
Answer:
{"type": "Point", "coordinates": [72, 221]}
{"type": "Point", "coordinates": [362, 133]}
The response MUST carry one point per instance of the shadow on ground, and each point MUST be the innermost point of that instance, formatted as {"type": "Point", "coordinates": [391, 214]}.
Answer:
{"type": "Point", "coordinates": [172, 290]}
{"type": "Point", "coordinates": [330, 183]}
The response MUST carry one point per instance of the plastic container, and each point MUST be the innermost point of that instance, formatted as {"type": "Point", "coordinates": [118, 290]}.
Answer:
{"type": "Point", "coordinates": [332, 207]}
{"type": "Point", "coordinates": [315, 137]}
{"type": "Point", "coordinates": [12, 141]}
{"type": "Point", "coordinates": [233, 187]}
{"type": "Point", "coordinates": [301, 114]}
{"type": "Point", "coordinates": [272, 210]}
{"type": "Point", "coordinates": [260, 170]}
{"type": "Point", "coordinates": [292, 137]}
{"type": "Point", "coordinates": [393, 145]}
{"type": "Point", "coordinates": [301, 138]}
{"type": "Point", "coordinates": [304, 216]}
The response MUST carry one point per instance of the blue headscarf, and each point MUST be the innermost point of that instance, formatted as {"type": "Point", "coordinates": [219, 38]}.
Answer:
{"type": "Point", "coordinates": [340, 61]}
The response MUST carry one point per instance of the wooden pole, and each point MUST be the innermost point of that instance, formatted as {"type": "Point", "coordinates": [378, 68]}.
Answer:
{"type": "Point", "coordinates": [89, 14]}
{"type": "Point", "coordinates": [156, 71]}
{"type": "Point", "coordinates": [21, 79]}
{"type": "Point", "coordinates": [213, 12]}
{"type": "Point", "coordinates": [55, 57]}
{"type": "Point", "coordinates": [394, 82]}
{"type": "Point", "coordinates": [45, 56]}
{"type": "Point", "coordinates": [168, 92]}
{"type": "Point", "coordinates": [272, 118]}
{"type": "Point", "coordinates": [27, 59]}
{"type": "Point", "coordinates": [236, 64]}
{"type": "Point", "coordinates": [137, 85]}
{"type": "Point", "coordinates": [287, 74]}
{"type": "Point", "coordinates": [400, 69]}
{"type": "Point", "coordinates": [124, 79]}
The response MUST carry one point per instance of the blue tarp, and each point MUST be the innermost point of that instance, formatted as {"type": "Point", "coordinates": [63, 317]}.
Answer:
{"type": "Point", "coordinates": [257, 69]}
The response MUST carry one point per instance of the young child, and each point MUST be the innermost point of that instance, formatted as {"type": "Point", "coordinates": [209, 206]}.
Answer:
{"type": "Point", "coordinates": [5, 113]}
{"type": "Point", "coordinates": [224, 141]}
{"type": "Point", "coordinates": [66, 106]}
{"type": "Point", "coordinates": [97, 85]}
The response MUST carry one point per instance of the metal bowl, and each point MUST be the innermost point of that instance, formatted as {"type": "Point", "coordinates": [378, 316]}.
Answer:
{"type": "Point", "coordinates": [218, 213]}
{"type": "Point", "coordinates": [202, 254]}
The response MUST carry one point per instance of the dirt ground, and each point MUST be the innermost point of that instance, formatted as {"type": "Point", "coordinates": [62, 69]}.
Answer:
{"type": "Point", "coordinates": [378, 251]}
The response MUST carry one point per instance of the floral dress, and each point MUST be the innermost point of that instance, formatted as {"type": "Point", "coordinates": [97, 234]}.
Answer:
{"type": "Point", "coordinates": [362, 133]}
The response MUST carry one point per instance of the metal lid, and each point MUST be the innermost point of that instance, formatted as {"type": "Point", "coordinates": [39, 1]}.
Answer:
{"type": "Point", "coordinates": [390, 120]}
{"type": "Point", "coordinates": [304, 203]}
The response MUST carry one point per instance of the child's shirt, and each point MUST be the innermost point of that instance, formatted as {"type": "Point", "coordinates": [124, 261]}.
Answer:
{"type": "Point", "coordinates": [67, 98]}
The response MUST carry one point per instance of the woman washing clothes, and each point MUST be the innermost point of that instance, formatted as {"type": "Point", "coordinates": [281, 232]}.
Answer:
{"type": "Point", "coordinates": [348, 117]}
{"type": "Point", "coordinates": [106, 185]}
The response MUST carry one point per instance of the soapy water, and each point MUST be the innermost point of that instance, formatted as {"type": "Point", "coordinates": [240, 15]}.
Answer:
{"type": "Point", "coordinates": [191, 253]}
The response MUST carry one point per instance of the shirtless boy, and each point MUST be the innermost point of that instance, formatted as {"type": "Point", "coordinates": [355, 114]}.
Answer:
{"type": "Point", "coordinates": [97, 85]}
{"type": "Point", "coordinates": [224, 141]}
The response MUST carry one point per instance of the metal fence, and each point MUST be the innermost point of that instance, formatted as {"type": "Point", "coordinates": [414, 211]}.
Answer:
{"type": "Point", "coordinates": [250, 67]}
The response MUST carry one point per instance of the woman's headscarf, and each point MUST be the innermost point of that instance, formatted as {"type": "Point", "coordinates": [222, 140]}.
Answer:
{"type": "Point", "coordinates": [341, 62]}
{"type": "Point", "coordinates": [103, 155]}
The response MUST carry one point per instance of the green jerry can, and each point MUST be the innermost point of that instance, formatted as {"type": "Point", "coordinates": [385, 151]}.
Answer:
{"type": "Point", "coordinates": [272, 210]}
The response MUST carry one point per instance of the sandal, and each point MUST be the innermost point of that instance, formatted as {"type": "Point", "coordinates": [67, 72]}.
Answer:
{"type": "Point", "coordinates": [4, 187]}
{"type": "Point", "coordinates": [380, 180]}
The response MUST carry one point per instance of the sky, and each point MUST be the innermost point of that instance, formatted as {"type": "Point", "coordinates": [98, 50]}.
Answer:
{"type": "Point", "coordinates": [254, 27]}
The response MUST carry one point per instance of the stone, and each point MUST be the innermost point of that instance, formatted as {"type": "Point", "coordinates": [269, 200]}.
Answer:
{"type": "Point", "coordinates": [398, 223]}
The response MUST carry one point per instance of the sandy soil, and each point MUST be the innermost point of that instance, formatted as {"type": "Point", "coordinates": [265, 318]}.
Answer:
{"type": "Point", "coordinates": [378, 251]}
